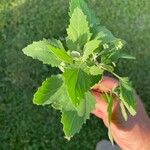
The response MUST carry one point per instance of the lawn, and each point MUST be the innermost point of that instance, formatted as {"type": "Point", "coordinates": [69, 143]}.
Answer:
{"type": "Point", "coordinates": [24, 126]}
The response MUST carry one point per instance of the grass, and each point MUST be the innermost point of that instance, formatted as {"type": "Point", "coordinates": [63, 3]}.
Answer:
{"type": "Point", "coordinates": [28, 127]}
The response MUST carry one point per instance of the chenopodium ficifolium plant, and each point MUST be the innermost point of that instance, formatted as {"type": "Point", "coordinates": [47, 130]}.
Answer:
{"type": "Point", "coordinates": [88, 51]}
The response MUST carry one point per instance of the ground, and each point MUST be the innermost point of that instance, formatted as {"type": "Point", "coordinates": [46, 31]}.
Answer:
{"type": "Point", "coordinates": [29, 127]}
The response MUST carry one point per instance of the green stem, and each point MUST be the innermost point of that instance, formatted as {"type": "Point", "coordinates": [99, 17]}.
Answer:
{"type": "Point", "coordinates": [112, 73]}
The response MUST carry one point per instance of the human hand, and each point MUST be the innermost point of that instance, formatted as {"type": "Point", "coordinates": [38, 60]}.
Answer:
{"type": "Point", "coordinates": [133, 134]}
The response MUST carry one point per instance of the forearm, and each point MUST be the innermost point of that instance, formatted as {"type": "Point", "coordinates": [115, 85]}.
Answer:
{"type": "Point", "coordinates": [136, 138]}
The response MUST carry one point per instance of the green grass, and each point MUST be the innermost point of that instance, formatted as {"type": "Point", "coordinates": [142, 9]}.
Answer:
{"type": "Point", "coordinates": [29, 127]}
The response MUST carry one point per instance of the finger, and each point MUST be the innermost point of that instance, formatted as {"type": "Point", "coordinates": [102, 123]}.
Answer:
{"type": "Point", "coordinates": [100, 102]}
{"type": "Point", "coordinates": [105, 85]}
{"type": "Point", "coordinates": [98, 113]}
{"type": "Point", "coordinates": [101, 107]}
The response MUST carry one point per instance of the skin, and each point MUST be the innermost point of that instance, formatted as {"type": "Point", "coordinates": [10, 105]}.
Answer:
{"type": "Point", "coordinates": [133, 134]}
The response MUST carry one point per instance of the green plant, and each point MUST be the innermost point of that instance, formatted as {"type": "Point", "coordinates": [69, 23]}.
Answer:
{"type": "Point", "coordinates": [86, 53]}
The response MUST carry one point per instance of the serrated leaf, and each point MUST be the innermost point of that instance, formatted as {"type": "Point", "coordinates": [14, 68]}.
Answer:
{"type": "Point", "coordinates": [38, 50]}
{"type": "Point", "coordinates": [77, 82]}
{"type": "Point", "coordinates": [90, 47]}
{"type": "Point", "coordinates": [104, 34]}
{"type": "Point", "coordinates": [78, 31]}
{"type": "Point", "coordinates": [123, 111]}
{"type": "Point", "coordinates": [53, 92]}
{"type": "Point", "coordinates": [72, 123]}
{"type": "Point", "coordinates": [60, 54]}
{"type": "Point", "coordinates": [47, 90]}
{"type": "Point", "coordinates": [56, 43]}
{"type": "Point", "coordinates": [127, 96]}
{"type": "Point", "coordinates": [86, 106]}
{"type": "Point", "coordinates": [91, 18]}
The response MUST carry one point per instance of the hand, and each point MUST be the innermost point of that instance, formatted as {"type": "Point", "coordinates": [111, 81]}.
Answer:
{"type": "Point", "coordinates": [133, 134]}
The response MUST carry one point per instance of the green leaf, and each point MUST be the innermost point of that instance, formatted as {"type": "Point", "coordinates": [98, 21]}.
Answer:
{"type": "Point", "coordinates": [72, 123]}
{"type": "Point", "coordinates": [38, 50]}
{"type": "Point", "coordinates": [47, 90]}
{"type": "Point", "coordinates": [109, 100]}
{"type": "Point", "coordinates": [90, 47]}
{"type": "Point", "coordinates": [94, 79]}
{"type": "Point", "coordinates": [109, 106]}
{"type": "Point", "coordinates": [123, 111]}
{"type": "Point", "coordinates": [54, 92]}
{"type": "Point", "coordinates": [113, 56]}
{"type": "Point", "coordinates": [60, 54]}
{"type": "Point", "coordinates": [78, 31]}
{"type": "Point", "coordinates": [102, 33]}
{"type": "Point", "coordinates": [108, 68]}
{"type": "Point", "coordinates": [61, 100]}
{"type": "Point", "coordinates": [86, 106]}
{"type": "Point", "coordinates": [56, 43]}
{"type": "Point", "coordinates": [77, 82]}
{"type": "Point", "coordinates": [96, 70]}
{"type": "Point", "coordinates": [72, 120]}
{"type": "Point", "coordinates": [126, 56]}
{"type": "Point", "coordinates": [127, 96]}
{"type": "Point", "coordinates": [91, 18]}
{"type": "Point", "coordinates": [110, 136]}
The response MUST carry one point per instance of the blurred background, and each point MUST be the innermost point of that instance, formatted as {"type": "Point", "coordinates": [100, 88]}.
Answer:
{"type": "Point", "coordinates": [24, 126]}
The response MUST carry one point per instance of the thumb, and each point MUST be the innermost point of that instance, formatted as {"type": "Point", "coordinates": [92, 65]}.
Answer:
{"type": "Point", "coordinates": [105, 85]}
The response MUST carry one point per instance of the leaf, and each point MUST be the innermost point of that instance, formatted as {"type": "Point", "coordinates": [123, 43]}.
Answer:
{"type": "Point", "coordinates": [78, 31]}
{"type": "Point", "coordinates": [110, 136]}
{"type": "Point", "coordinates": [60, 54]}
{"type": "Point", "coordinates": [54, 92]}
{"type": "Point", "coordinates": [126, 56]}
{"type": "Point", "coordinates": [96, 70]}
{"type": "Point", "coordinates": [109, 107]}
{"type": "Point", "coordinates": [77, 82]}
{"type": "Point", "coordinates": [113, 56]}
{"type": "Point", "coordinates": [86, 106]}
{"type": "Point", "coordinates": [94, 79]}
{"type": "Point", "coordinates": [102, 33]}
{"type": "Point", "coordinates": [127, 96]}
{"type": "Point", "coordinates": [91, 18]}
{"type": "Point", "coordinates": [109, 99]}
{"type": "Point", "coordinates": [108, 68]}
{"type": "Point", "coordinates": [90, 47]}
{"type": "Point", "coordinates": [109, 56]}
{"type": "Point", "coordinates": [72, 123]}
{"type": "Point", "coordinates": [123, 111]}
{"type": "Point", "coordinates": [56, 43]}
{"type": "Point", "coordinates": [47, 90]}
{"type": "Point", "coordinates": [61, 100]}
{"type": "Point", "coordinates": [38, 50]}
